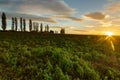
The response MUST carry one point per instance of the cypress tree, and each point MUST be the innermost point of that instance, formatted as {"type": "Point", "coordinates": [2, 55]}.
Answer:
{"type": "Point", "coordinates": [24, 25]}
{"type": "Point", "coordinates": [21, 24]}
{"type": "Point", "coordinates": [3, 21]}
{"type": "Point", "coordinates": [12, 24]}
{"type": "Point", "coordinates": [30, 25]}
{"type": "Point", "coordinates": [16, 24]}
{"type": "Point", "coordinates": [41, 28]}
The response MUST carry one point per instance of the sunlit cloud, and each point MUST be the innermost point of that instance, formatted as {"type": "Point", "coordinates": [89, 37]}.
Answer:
{"type": "Point", "coordinates": [106, 23]}
{"type": "Point", "coordinates": [113, 7]}
{"type": "Point", "coordinates": [39, 10]}
{"type": "Point", "coordinates": [96, 15]}
{"type": "Point", "coordinates": [89, 26]}
{"type": "Point", "coordinates": [101, 30]}
{"type": "Point", "coordinates": [36, 7]}
{"type": "Point", "coordinates": [73, 18]}
{"type": "Point", "coordinates": [69, 18]}
{"type": "Point", "coordinates": [78, 31]}
{"type": "Point", "coordinates": [33, 17]}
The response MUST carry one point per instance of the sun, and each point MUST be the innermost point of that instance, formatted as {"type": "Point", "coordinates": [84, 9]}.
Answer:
{"type": "Point", "coordinates": [108, 33]}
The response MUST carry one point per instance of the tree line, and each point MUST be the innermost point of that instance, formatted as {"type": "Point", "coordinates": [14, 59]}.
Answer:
{"type": "Point", "coordinates": [33, 26]}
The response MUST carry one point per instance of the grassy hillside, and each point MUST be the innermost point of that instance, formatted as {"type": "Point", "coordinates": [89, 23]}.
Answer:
{"type": "Point", "coordinates": [34, 56]}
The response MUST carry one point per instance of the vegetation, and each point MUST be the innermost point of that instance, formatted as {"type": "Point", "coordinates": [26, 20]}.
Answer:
{"type": "Point", "coordinates": [3, 21]}
{"type": "Point", "coordinates": [41, 28]}
{"type": "Point", "coordinates": [16, 24]}
{"type": "Point", "coordinates": [12, 27]}
{"type": "Point", "coordinates": [35, 56]}
{"type": "Point", "coordinates": [33, 26]}
{"type": "Point", "coordinates": [62, 31]}
{"type": "Point", "coordinates": [24, 25]}
{"type": "Point", "coordinates": [21, 28]}
{"type": "Point", "coordinates": [30, 25]}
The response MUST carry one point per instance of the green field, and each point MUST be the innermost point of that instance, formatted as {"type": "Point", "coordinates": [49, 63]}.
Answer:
{"type": "Point", "coordinates": [35, 56]}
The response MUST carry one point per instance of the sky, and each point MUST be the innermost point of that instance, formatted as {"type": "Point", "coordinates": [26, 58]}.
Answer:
{"type": "Point", "coordinates": [76, 16]}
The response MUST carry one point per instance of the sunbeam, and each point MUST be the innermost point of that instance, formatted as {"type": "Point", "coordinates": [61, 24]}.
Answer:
{"type": "Point", "coordinates": [110, 39]}
{"type": "Point", "coordinates": [112, 45]}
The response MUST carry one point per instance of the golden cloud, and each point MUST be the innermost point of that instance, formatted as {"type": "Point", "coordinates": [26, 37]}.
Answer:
{"type": "Point", "coordinates": [113, 8]}
{"type": "Point", "coordinates": [69, 18]}
{"type": "Point", "coordinates": [33, 17]}
{"type": "Point", "coordinates": [96, 15]}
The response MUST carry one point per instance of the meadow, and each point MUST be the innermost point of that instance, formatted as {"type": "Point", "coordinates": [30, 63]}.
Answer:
{"type": "Point", "coordinates": [35, 56]}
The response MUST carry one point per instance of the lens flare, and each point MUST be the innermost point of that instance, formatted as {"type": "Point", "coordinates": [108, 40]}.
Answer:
{"type": "Point", "coordinates": [109, 33]}
{"type": "Point", "coordinates": [112, 45]}
{"type": "Point", "coordinates": [110, 39]}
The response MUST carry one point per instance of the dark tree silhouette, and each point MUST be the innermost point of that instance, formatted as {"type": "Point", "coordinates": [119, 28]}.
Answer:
{"type": "Point", "coordinates": [21, 24]}
{"type": "Point", "coordinates": [12, 24]}
{"type": "Point", "coordinates": [34, 25]}
{"type": "Point", "coordinates": [30, 25]}
{"type": "Point", "coordinates": [47, 27]}
{"type": "Point", "coordinates": [24, 25]}
{"type": "Point", "coordinates": [3, 21]}
{"type": "Point", "coordinates": [51, 31]}
{"type": "Point", "coordinates": [37, 27]}
{"type": "Point", "coordinates": [16, 24]}
{"type": "Point", "coordinates": [41, 28]}
{"type": "Point", "coordinates": [62, 31]}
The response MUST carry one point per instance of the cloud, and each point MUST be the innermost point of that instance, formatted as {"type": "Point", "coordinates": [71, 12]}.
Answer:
{"type": "Point", "coordinates": [68, 18]}
{"type": "Point", "coordinates": [5, 1]}
{"type": "Point", "coordinates": [96, 15]}
{"type": "Point", "coordinates": [80, 30]}
{"type": "Point", "coordinates": [33, 17]}
{"type": "Point", "coordinates": [113, 7]}
{"type": "Point", "coordinates": [66, 27]}
{"type": "Point", "coordinates": [72, 18]}
{"type": "Point", "coordinates": [41, 10]}
{"type": "Point", "coordinates": [36, 7]}
{"type": "Point", "coordinates": [114, 29]}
